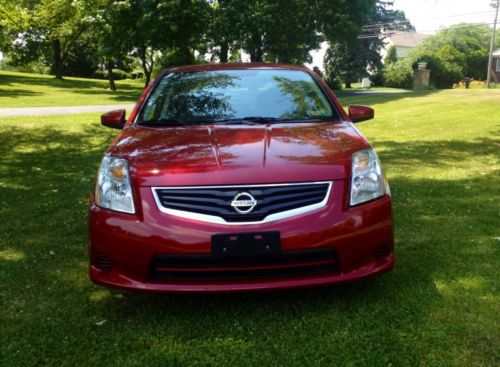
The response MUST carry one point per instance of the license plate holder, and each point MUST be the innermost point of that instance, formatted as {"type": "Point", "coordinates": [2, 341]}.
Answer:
{"type": "Point", "coordinates": [250, 245]}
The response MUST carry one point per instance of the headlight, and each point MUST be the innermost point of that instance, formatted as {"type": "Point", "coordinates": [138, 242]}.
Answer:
{"type": "Point", "coordinates": [367, 182]}
{"type": "Point", "coordinates": [113, 190]}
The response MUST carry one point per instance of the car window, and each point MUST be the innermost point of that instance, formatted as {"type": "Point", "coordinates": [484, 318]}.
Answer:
{"type": "Point", "coordinates": [211, 96]}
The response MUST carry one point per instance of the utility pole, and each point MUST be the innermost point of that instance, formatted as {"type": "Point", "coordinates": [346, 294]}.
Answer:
{"type": "Point", "coordinates": [492, 45]}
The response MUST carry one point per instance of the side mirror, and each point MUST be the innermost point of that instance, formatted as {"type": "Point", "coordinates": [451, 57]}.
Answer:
{"type": "Point", "coordinates": [114, 119]}
{"type": "Point", "coordinates": [359, 113]}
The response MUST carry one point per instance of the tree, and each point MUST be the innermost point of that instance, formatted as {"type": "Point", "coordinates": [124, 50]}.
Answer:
{"type": "Point", "coordinates": [283, 30]}
{"type": "Point", "coordinates": [113, 25]}
{"type": "Point", "coordinates": [12, 21]}
{"type": "Point", "coordinates": [52, 28]}
{"type": "Point", "coordinates": [81, 60]}
{"type": "Point", "coordinates": [464, 48]}
{"type": "Point", "coordinates": [165, 27]}
{"type": "Point", "coordinates": [222, 35]}
{"type": "Point", "coordinates": [345, 61]}
{"type": "Point", "coordinates": [353, 58]}
{"type": "Point", "coordinates": [392, 56]}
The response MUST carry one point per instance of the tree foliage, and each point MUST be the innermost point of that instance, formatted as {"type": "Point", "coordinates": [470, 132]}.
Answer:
{"type": "Point", "coordinates": [282, 30]}
{"type": "Point", "coordinates": [353, 58]}
{"type": "Point", "coordinates": [392, 56]}
{"type": "Point", "coordinates": [52, 28]}
{"type": "Point", "coordinates": [173, 32]}
{"type": "Point", "coordinates": [462, 50]}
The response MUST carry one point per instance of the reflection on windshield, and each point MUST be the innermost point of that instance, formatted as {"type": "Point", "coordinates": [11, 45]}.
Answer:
{"type": "Point", "coordinates": [207, 96]}
{"type": "Point", "coordinates": [190, 96]}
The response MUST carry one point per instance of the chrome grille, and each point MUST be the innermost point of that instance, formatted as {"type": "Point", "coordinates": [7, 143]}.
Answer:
{"type": "Point", "coordinates": [213, 203]}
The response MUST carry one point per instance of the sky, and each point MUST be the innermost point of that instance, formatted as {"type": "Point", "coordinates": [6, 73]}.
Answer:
{"type": "Point", "coordinates": [428, 16]}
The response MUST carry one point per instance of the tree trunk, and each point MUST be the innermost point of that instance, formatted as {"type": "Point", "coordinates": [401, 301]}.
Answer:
{"type": "Point", "coordinates": [58, 62]}
{"type": "Point", "coordinates": [147, 68]}
{"type": "Point", "coordinates": [187, 56]}
{"type": "Point", "coordinates": [147, 78]}
{"type": "Point", "coordinates": [348, 82]}
{"type": "Point", "coordinates": [256, 55]}
{"type": "Point", "coordinates": [224, 49]}
{"type": "Point", "coordinates": [111, 79]}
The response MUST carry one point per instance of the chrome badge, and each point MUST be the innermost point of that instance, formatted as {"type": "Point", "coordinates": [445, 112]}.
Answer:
{"type": "Point", "coordinates": [243, 203]}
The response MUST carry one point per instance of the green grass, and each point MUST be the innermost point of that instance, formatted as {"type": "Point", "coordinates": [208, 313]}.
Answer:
{"type": "Point", "coordinates": [357, 87]}
{"type": "Point", "coordinates": [439, 307]}
{"type": "Point", "coordinates": [35, 90]}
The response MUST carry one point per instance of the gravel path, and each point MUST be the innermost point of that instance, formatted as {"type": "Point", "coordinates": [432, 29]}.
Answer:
{"type": "Point", "coordinates": [60, 110]}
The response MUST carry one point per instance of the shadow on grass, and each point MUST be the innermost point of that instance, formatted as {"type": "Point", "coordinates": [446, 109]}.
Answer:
{"type": "Point", "coordinates": [371, 98]}
{"type": "Point", "coordinates": [50, 306]}
{"type": "Point", "coordinates": [18, 93]}
{"type": "Point", "coordinates": [442, 153]}
{"type": "Point", "coordinates": [126, 91]}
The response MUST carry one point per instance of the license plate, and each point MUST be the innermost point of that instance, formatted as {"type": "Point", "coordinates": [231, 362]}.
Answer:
{"type": "Point", "coordinates": [246, 245]}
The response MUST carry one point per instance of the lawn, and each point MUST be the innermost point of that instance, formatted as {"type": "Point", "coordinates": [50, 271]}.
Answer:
{"type": "Point", "coordinates": [36, 90]}
{"type": "Point", "coordinates": [439, 307]}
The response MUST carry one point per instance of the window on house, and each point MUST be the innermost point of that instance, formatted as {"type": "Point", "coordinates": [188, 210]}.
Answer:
{"type": "Point", "coordinates": [498, 66]}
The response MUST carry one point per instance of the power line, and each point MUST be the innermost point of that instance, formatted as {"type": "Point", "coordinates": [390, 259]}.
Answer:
{"type": "Point", "coordinates": [492, 44]}
{"type": "Point", "coordinates": [390, 33]}
{"type": "Point", "coordinates": [488, 12]}
{"type": "Point", "coordinates": [372, 27]}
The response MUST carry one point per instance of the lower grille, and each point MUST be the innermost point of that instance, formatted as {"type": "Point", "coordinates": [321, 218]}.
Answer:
{"type": "Point", "coordinates": [206, 267]}
{"type": "Point", "coordinates": [103, 262]}
{"type": "Point", "coordinates": [382, 251]}
{"type": "Point", "coordinates": [242, 203]}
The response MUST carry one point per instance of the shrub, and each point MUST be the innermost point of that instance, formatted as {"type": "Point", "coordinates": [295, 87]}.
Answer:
{"type": "Point", "coordinates": [333, 83]}
{"type": "Point", "coordinates": [443, 74]}
{"type": "Point", "coordinates": [34, 67]}
{"type": "Point", "coordinates": [117, 74]}
{"type": "Point", "coordinates": [378, 79]}
{"type": "Point", "coordinates": [392, 56]}
{"type": "Point", "coordinates": [475, 84]}
{"type": "Point", "coordinates": [399, 75]}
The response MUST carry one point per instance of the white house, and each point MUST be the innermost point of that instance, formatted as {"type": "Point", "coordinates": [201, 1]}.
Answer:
{"type": "Point", "coordinates": [404, 42]}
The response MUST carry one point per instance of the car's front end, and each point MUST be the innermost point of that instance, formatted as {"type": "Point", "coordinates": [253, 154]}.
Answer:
{"type": "Point", "coordinates": [239, 204]}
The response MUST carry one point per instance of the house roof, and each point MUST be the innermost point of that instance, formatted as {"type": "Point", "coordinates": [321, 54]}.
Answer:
{"type": "Point", "coordinates": [496, 52]}
{"type": "Point", "coordinates": [406, 39]}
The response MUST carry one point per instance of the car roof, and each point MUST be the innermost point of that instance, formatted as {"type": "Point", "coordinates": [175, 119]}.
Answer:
{"type": "Point", "coordinates": [235, 66]}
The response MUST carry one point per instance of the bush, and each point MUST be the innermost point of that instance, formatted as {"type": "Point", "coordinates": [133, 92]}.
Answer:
{"type": "Point", "coordinates": [333, 83]}
{"type": "Point", "coordinates": [117, 74]}
{"type": "Point", "coordinates": [399, 75]}
{"type": "Point", "coordinates": [443, 74]}
{"type": "Point", "coordinates": [475, 84]}
{"type": "Point", "coordinates": [34, 67]}
{"type": "Point", "coordinates": [378, 79]}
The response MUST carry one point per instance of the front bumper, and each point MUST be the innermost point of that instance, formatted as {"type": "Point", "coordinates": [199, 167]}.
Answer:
{"type": "Point", "coordinates": [130, 242]}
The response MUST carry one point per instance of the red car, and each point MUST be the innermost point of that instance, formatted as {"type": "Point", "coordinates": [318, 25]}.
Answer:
{"type": "Point", "coordinates": [238, 177]}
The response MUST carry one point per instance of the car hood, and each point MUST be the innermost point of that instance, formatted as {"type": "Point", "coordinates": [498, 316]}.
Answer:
{"type": "Point", "coordinates": [238, 154]}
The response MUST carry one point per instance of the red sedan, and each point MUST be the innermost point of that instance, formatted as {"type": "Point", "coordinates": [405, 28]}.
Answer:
{"type": "Point", "coordinates": [238, 177]}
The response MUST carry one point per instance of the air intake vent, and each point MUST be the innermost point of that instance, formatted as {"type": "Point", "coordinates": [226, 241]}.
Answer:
{"type": "Point", "coordinates": [245, 203]}
{"type": "Point", "coordinates": [290, 263]}
{"type": "Point", "coordinates": [382, 251]}
{"type": "Point", "coordinates": [103, 263]}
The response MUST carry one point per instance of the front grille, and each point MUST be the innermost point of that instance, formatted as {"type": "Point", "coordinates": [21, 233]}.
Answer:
{"type": "Point", "coordinates": [206, 267]}
{"type": "Point", "coordinates": [216, 201]}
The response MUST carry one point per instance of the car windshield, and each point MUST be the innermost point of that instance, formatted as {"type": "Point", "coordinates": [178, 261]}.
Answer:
{"type": "Point", "coordinates": [235, 96]}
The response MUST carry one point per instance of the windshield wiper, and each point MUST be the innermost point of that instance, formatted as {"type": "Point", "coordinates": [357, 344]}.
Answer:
{"type": "Point", "coordinates": [250, 119]}
{"type": "Point", "coordinates": [164, 122]}
{"type": "Point", "coordinates": [267, 120]}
